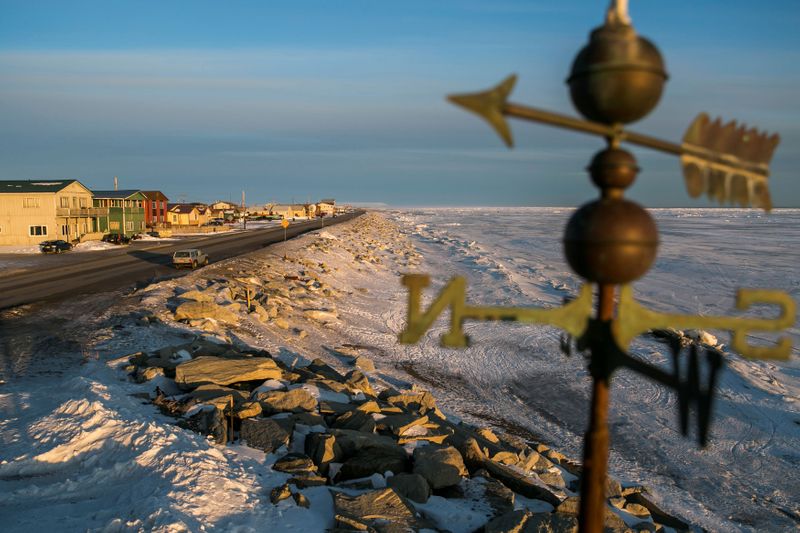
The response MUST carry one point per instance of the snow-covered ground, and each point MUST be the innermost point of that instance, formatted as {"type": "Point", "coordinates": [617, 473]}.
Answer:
{"type": "Point", "coordinates": [81, 450]}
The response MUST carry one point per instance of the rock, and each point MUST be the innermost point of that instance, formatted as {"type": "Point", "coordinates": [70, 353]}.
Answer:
{"type": "Point", "coordinates": [248, 410]}
{"type": "Point", "coordinates": [301, 500]}
{"type": "Point", "coordinates": [472, 455]}
{"type": "Point", "coordinates": [324, 370]}
{"type": "Point", "coordinates": [352, 442]}
{"type": "Point", "coordinates": [263, 434]}
{"type": "Point", "coordinates": [658, 515]}
{"type": "Point", "coordinates": [637, 510]}
{"type": "Point", "coordinates": [208, 421]}
{"type": "Point", "coordinates": [308, 480]}
{"type": "Point", "coordinates": [335, 408]}
{"type": "Point", "coordinates": [357, 420]}
{"type": "Point", "coordinates": [402, 423]}
{"type": "Point", "coordinates": [281, 323]}
{"type": "Point", "coordinates": [210, 391]}
{"type": "Point", "coordinates": [553, 479]}
{"type": "Point", "coordinates": [369, 407]}
{"type": "Point", "coordinates": [499, 497]}
{"type": "Point", "coordinates": [323, 450]}
{"type": "Point", "coordinates": [521, 484]}
{"type": "Point", "coordinates": [197, 296]}
{"type": "Point", "coordinates": [374, 460]}
{"type": "Point", "coordinates": [294, 463]}
{"type": "Point", "coordinates": [280, 493]}
{"type": "Point", "coordinates": [293, 401]}
{"type": "Point", "coordinates": [379, 511]}
{"type": "Point", "coordinates": [421, 402]}
{"type": "Point", "coordinates": [411, 486]}
{"type": "Point", "coordinates": [224, 371]}
{"type": "Point", "coordinates": [441, 467]}
{"type": "Point", "coordinates": [147, 373]}
{"type": "Point", "coordinates": [552, 523]}
{"type": "Point", "coordinates": [488, 434]}
{"type": "Point", "coordinates": [511, 522]}
{"type": "Point", "coordinates": [570, 505]}
{"type": "Point", "coordinates": [365, 364]}
{"type": "Point", "coordinates": [359, 382]}
{"type": "Point", "coordinates": [193, 310]}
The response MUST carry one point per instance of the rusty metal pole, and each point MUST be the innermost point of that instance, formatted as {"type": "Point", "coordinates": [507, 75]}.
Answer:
{"type": "Point", "coordinates": [595, 444]}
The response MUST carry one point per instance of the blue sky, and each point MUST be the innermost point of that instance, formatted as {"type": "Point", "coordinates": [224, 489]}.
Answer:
{"type": "Point", "coordinates": [298, 100]}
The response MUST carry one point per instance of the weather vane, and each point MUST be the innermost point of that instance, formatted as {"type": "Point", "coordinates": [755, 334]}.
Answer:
{"type": "Point", "coordinates": [617, 78]}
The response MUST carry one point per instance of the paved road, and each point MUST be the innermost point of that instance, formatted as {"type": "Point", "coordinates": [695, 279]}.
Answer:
{"type": "Point", "coordinates": [102, 272]}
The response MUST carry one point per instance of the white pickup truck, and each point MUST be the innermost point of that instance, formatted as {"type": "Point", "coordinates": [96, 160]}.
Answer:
{"type": "Point", "coordinates": [191, 258]}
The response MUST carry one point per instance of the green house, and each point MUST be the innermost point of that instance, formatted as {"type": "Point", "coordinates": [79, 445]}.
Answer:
{"type": "Point", "coordinates": [125, 211]}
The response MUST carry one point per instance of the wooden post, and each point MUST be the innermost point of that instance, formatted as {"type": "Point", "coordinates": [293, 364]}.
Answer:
{"type": "Point", "coordinates": [595, 444]}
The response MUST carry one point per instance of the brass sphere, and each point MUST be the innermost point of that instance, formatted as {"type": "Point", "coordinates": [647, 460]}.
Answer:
{"type": "Point", "coordinates": [611, 240]}
{"type": "Point", "coordinates": [618, 77]}
{"type": "Point", "coordinates": [613, 168]}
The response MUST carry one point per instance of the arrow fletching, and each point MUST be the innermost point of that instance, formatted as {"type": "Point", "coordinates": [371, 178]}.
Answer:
{"type": "Point", "coordinates": [489, 105]}
{"type": "Point", "coordinates": [728, 162]}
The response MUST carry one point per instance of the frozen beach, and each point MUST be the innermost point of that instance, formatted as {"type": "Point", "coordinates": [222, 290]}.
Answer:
{"type": "Point", "coordinates": [78, 440]}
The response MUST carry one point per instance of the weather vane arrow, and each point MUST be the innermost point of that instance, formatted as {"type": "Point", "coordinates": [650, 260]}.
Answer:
{"type": "Point", "coordinates": [729, 163]}
{"type": "Point", "coordinates": [617, 78]}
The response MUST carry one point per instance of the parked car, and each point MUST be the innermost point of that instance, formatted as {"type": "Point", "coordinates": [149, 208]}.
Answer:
{"type": "Point", "coordinates": [116, 238]}
{"type": "Point", "coordinates": [191, 258]}
{"type": "Point", "coordinates": [54, 247]}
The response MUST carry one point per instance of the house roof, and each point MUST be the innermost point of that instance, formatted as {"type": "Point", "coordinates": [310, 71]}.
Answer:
{"type": "Point", "coordinates": [25, 186]}
{"type": "Point", "coordinates": [327, 201]}
{"type": "Point", "coordinates": [181, 208]}
{"type": "Point", "coordinates": [155, 195]}
{"type": "Point", "coordinates": [123, 194]}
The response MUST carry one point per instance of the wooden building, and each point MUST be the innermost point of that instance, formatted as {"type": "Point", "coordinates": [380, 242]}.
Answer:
{"type": "Point", "coordinates": [32, 211]}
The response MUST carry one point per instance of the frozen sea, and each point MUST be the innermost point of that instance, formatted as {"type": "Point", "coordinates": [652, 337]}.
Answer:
{"type": "Point", "coordinates": [748, 477]}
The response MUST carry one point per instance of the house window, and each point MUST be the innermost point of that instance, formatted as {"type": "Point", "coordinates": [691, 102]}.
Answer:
{"type": "Point", "coordinates": [64, 201]}
{"type": "Point", "coordinates": [154, 205]}
{"type": "Point", "coordinates": [175, 218]}
{"type": "Point", "coordinates": [129, 225]}
{"type": "Point", "coordinates": [83, 202]}
{"type": "Point", "coordinates": [114, 225]}
{"type": "Point", "coordinates": [141, 225]}
{"type": "Point", "coordinates": [37, 230]}
{"type": "Point", "coordinates": [64, 229]}
{"type": "Point", "coordinates": [85, 228]}
{"type": "Point", "coordinates": [30, 202]}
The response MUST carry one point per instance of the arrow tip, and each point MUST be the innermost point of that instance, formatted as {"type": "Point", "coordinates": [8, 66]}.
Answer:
{"type": "Point", "coordinates": [489, 105]}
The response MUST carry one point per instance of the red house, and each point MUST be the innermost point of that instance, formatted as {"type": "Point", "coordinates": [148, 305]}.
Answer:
{"type": "Point", "coordinates": [155, 208]}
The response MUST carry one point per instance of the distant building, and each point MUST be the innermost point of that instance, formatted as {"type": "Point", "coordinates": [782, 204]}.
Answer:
{"type": "Point", "coordinates": [326, 207]}
{"type": "Point", "coordinates": [222, 209]}
{"type": "Point", "coordinates": [32, 211]}
{"type": "Point", "coordinates": [125, 211]}
{"type": "Point", "coordinates": [188, 214]}
{"type": "Point", "coordinates": [155, 208]}
{"type": "Point", "coordinates": [289, 211]}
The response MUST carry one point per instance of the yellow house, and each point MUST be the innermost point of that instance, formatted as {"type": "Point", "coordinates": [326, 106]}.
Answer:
{"type": "Point", "coordinates": [188, 214]}
{"type": "Point", "coordinates": [32, 211]}
{"type": "Point", "coordinates": [326, 207]}
{"type": "Point", "coordinates": [289, 211]}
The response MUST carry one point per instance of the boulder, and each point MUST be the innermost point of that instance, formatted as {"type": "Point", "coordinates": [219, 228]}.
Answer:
{"type": "Point", "coordinates": [224, 371]}
{"type": "Point", "coordinates": [197, 296]}
{"type": "Point", "coordinates": [374, 460]}
{"type": "Point", "coordinates": [280, 493]}
{"type": "Point", "coordinates": [295, 463]}
{"type": "Point", "coordinates": [208, 421]}
{"type": "Point", "coordinates": [510, 522]}
{"type": "Point", "coordinates": [358, 381]}
{"type": "Point", "coordinates": [301, 500]}
{"type": "Point", "coordinates": [264, 434]}
{"type": "Point", "coordinates": [357, 420]}
{"type": "Point", "coordinates": [411, 486]}
{"type": "Point", "coordinates": [194, 310]}
{"type": "Point", "coordinates": [380, 511]}
{"type": "Point", "coordinates": [323, 450]}
{"type": "Point", "coordinates": [365, 364]}
{"type": "Point", "coordinates": [499, 497]}
{"type": "Point", "coordinates": [281, 323]}
{"type": "Point", "coordinates": [248, 410]}
{"type": "Point", "coordinates": [210, 391]}
{"type": "Point", "coordinates": [293, 401]}
{"type": "Point", "coordinates": [421, 402]}
{"type": "Point", "coordinates": [441, 467]}
{"type": "Point", "coordinates": [520, 483]}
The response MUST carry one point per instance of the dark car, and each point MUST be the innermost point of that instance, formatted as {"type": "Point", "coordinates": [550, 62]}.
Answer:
{"type": "Point", "coordinates": [54, 247]}
{"type": "Point", "coordinates": [116, 238]}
